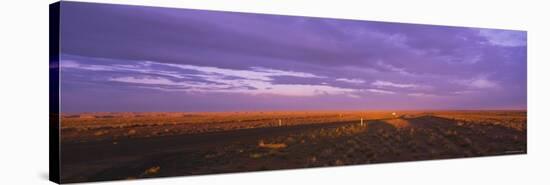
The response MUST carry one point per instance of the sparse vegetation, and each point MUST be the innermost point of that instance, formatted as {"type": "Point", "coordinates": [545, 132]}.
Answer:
{"type": "Point", "coordinates": [83, 127]}
{"type": "Point", "coordinates": [115, 144]}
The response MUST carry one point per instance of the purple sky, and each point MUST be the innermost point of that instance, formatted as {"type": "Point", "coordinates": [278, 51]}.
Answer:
{"type": "Point", "coordinates": [133, 58]}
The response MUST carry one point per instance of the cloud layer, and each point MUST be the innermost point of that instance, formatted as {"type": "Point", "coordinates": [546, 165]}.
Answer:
{"type": "Point", "coordinates": [132, 58]}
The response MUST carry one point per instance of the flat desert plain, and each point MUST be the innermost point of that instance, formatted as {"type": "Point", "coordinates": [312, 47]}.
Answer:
{"type": "Point", "coordinates": [107, 146]}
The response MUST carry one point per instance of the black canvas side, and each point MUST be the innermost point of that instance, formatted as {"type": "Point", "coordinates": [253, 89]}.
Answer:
{"type": "Point", "coordinates": [54, 92]}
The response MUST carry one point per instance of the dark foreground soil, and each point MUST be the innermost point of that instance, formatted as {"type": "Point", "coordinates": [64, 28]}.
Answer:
{"type": "Point", "coordinates": [405, 138]}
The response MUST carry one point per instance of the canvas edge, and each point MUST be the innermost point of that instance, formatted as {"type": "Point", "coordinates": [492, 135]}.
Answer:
{"type": "Point", "coordinates": [54, 150]}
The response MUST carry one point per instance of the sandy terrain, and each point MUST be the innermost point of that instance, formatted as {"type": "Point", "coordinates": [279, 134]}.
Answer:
{"type": "Point", "coordinates": [110, 146]}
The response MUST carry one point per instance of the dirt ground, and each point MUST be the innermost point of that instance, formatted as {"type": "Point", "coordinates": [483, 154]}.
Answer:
{"type": "Point", "coordinates": [115, 146]}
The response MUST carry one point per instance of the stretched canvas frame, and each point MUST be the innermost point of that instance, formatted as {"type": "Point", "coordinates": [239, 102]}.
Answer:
{"type": "Point", "coordinates": [141, 92]}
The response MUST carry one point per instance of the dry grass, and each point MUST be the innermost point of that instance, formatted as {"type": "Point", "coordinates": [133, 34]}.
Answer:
{"type": "Point", "coordinates": [100, 126]}
{"type": "Point", "coordinates": [152, 171]}
{"type": "Point", "coordinates": [261, 144]}
{"type": "Point", "coordinates": [337, 138]}
{"type": "Point", "coordinates": [398, 123]}
{"type": "Point", "coordinates": [511, 119]}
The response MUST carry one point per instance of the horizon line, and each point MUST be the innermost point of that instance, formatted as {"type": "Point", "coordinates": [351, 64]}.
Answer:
{"type": "Point", "coordinates": [301, 110]}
